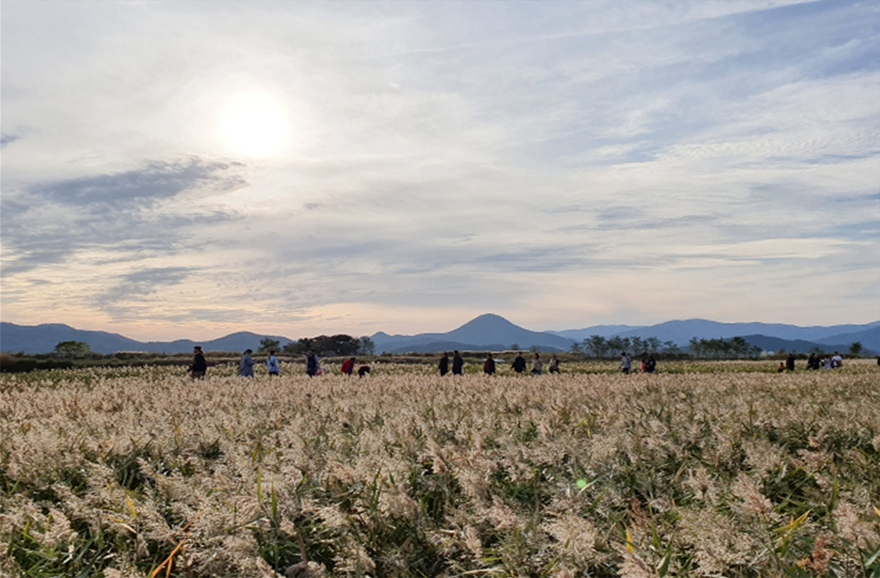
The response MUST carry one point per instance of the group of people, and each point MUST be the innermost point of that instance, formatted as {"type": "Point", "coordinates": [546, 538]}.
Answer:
{"type": "Point", "coordinates": [246, 365]}
{"type": "Point", "coordinates": [489, 367]}
{"type": "Point", "coordinates": [648, 365]}
{"type": "Point", "coordinates": [814, 362]}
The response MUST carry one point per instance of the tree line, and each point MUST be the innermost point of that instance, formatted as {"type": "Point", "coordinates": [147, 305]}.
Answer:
{"type": "Point", "coordinates": [340, 345]}
{"type": "Point", "coordinates": [598, 346]}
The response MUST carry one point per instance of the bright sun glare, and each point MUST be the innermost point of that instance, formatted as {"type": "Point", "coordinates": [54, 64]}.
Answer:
{"type": "Point", "coordinates": [254, 125]}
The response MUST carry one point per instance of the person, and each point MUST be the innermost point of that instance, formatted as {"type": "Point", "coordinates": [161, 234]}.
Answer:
{"type": "Point", "coordinates": [812, 362]}
{"type": "Point", "coordinates": [272, 364]}
{"type": "Point", "coordinates": [312, 364]}
{"type": "Point", "coordinates": [444, 364]}
{"type": "Point", "coordinates": [489, 365]}
{"type": "Point", "coordinates": [643, 366]}
{"type": "Point", "coordinates": [626, 363]}
{"type": "Point", "coordinates": [519, 364]}
{"type": "Point", "coordinates": [348, 366]}
{"type": "Point", "coordinates": [789, 362]}
{"type": "Point", "coordinates": [878, 360]}
{"type": "Point", "coordinates": [457, 363]}
{"type": "Point", "coordinates": [199, 365]}
{"type": "Point", "coordinates": [553, 366]}
{"type": "Point", "coordinates": [537, 365]}
{"type": "Point", "coordinates": [781, 368]}
{"type": "Point", "coordinates": [827, 363]}
{"type": "Point", "coordinates": [246, 365]}
{"type": "Point", "coordinates": [363, 370]}
{"type": "Point", "coordinates": [836, 361]}
{"type": "Point", "coordinates": [651, 364]}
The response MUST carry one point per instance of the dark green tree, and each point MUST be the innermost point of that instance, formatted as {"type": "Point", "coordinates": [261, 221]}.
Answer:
{"type": "Point", "coordinates": [856, 349]}
{"type": "Point", "coordinates": [267, 345]}
{"type": "Point", "coordinates": [72, 349]}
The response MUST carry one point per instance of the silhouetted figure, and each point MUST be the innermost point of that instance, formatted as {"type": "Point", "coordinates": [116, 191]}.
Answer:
{"type": "Point", "coordinates": [457, 363]}
{"type": "Point", "coordinates": [312, 364]}
{"type": "Point", "coordinates": [246, 365]}
{"type": "Point", "coordinates": [813, 362]}
{"type": "Point", "coordinates": [443, 366]}
{"type": "Point", "coordinates": [651, 364]}
{"type": "Point", "coordinates": [489, 365]}
{"type": "Point", "coordinates": [199, 365]}
{"type": "Point", "coordinates": [789, 362]}
{"type": "Point", "coordinates": [363, 370]}
{"type": "Point", "coordinates": [519, 364]}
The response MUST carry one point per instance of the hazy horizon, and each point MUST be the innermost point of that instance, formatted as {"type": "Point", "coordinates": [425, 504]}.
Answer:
{"type": "Point", "coordinates": [187, 168]}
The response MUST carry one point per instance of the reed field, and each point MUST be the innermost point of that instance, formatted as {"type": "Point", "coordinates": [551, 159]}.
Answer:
{"type": "Point", "coordinates": [702, 469]}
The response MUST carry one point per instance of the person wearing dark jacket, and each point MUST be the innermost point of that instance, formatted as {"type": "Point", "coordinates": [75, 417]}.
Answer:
{"type": "Point", "coordinates": [489, 365]}
{"type": "Point", "coordinates": [457, 363]}
{"type": "Point", "coordinates": [519, 364]}
{"type": "Point", "coordinates": [199, 365]}
{"type": "Point", "coordinates": [312, 364]}
{"type": "Point", "coordinates": [789, 362]}
{"type": "Point", "coordinates": [444, 364]}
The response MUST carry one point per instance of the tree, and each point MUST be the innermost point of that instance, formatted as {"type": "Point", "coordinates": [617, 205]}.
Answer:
{"type": "Point", "coordinates": [72, 349]}
{"type": "Point", "coordinates": [856, 349]}
{"type": "Point", "coordinates": [366, 346]}
{"type": "Point", "coordinates": [267, 345]}
{"type": "Point", "coordinates": [596, 345]}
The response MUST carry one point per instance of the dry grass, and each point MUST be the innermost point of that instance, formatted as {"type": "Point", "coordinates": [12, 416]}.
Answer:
{"type": "Point", "coordinates": [715, 470]}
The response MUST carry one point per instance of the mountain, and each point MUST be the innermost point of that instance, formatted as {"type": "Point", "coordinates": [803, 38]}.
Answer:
{"type": "Point", "coordinates": [869, 338]}
{"type": "Point", "coordinates": [603, 330]}
{"type": "Point", "coordinates": [774, 344]}
{"type": "Point", "coordinates": [681, 332]}
{"type": "Point", "coordinates": [43, 339]}
{"type": "Point", "coordinates": [486, 332]}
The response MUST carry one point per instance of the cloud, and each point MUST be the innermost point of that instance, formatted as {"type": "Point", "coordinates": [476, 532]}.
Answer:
{"type": "Point", "coordinates": [155, 181]}
{"type": "Point", "coordinates": [6, 139]}
{"type": "Point", "coordinates": [128, 214]}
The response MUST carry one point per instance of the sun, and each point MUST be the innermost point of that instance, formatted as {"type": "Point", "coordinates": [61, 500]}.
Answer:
{"type": "Point", "coordinates": [254, 125]}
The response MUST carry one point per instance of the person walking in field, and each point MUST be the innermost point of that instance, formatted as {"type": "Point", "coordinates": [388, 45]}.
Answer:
{"type": "Point", "coordinates": [489, 365]}
{"type": "Point", "coordinates": [443, 366]}
{"type": "Point", "coordinates": [312, 364]}
{"type": "Point", "coordinates": [272, 365]}
{"type": "Point", "coordinates": [789, 362]}
{"type": "Point", "coordinates": [246, 365]}
{"type": "Point", "coordinates": [457, 363]}
{"type": "Point", "coordinates": [348, 366]}
{"type": "Point", "coordinates": [519, 364]}
{"type": "Point", "coordinates": [199, 365]}
{"type": "Point", "coordinates": [651, 364]}
{"type": "Point", "coordinates": [553, 366]}
{"type": "Point", "coordinates": [626, 363]}
{"type": "Point", "coordinates": [537, 365]}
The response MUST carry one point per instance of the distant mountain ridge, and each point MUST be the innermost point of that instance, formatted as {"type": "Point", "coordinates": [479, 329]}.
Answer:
{"type": "Point", "coordinates": [43, 339]}
{"type": "Point", "coordinates": [487, 332]}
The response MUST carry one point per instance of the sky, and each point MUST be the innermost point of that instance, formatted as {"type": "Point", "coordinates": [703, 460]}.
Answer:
{"type": "Point", "coordinates": [190, 169]}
